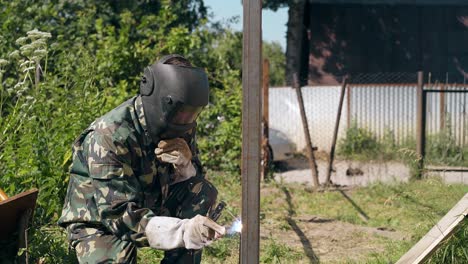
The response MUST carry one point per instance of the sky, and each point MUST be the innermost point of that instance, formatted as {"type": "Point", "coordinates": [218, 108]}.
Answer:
{"type": "Point", "coordinates": [273, 23]}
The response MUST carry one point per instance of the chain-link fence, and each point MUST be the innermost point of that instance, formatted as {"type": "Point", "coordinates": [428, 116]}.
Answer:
{"type": "Point", "coordinates": [379, 118]}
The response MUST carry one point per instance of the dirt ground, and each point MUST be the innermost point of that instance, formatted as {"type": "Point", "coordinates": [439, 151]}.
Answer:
{"type": "Point", "coordinates": [331, 241]}
{"type": "Point", "coordinates": [349, 173]}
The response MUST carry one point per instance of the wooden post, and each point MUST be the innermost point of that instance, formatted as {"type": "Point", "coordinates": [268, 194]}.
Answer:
{"type": "Point", "coordinates": [335, 133]}
{"type": "Point", "coordinates": [305, 125]}
{"type": "Point", "coordinates": [265, 149]}
{"type": "Point", "coordinates": [421, 123]}
{"type": "Point", "coordinates": [251, 130]}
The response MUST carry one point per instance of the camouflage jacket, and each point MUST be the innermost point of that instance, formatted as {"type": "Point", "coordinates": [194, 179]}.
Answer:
{"type": "Point", "coordinates": [116, 182]}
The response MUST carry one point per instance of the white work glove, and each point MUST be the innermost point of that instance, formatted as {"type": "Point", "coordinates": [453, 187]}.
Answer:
{"type": "Point", "coordinates": [166, 233]}
{"type": "Point", "coordinates": [177, 152]}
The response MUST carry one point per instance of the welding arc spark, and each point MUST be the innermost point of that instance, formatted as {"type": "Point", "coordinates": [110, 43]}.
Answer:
{"type": "Point", "coordinates": [236, 227]}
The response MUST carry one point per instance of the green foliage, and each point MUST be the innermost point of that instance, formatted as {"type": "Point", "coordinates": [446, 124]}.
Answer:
{"type": "Point", "coordinates": [220, 127]}
{"type": "Point", "coordinates": [275, 4]}
{"type": "Point", "coordinates": [274, 252]}
{"type": "Point", "coordinates": [224, 248]}
{"type": "Point", "coordinates": [277, 59]}
{"type": "Point", "coordinates": [43, 112]}
{"type": "Point", "coordinates": [90, 62]}
{"type": "Point", "coordinates": [358, 142]}
{"type": "Point", "coordinates": [442, 149]}
{"type": "Point", "coordinates": [454, 249]}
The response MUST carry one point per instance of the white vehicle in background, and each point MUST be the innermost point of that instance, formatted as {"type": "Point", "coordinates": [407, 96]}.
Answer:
{"type": "Point", "coordinates": [281, 148]}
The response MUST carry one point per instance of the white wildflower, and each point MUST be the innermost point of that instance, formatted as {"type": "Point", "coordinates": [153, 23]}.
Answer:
{"type": "Point", "coordinates": [14, 55]}
{"type": "Point", "coordinates": [40, 52]}
{"type": "Point", "coordinates": [24, 63]}
{"type": "Point", "coordinates": [29, 68]}
{"type": "Point", "coordinates": [26, 48]}
{"type": "Point", "coordinates": [3, 62]}
{"type": "Point", "coordinates": [21, 40]}
{"type": "Point", "coordinates": [18, 85]}
{"type": "Point", "coordinates": [34, 34]}
{"type": "Point", "coordinates": [39, 43]}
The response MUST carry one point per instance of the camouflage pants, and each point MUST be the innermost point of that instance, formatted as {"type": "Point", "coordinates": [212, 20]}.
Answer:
{"type": "Point", "coordinates": [185, 200]}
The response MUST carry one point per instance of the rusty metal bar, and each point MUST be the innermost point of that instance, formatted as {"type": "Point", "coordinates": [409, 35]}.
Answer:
{"type": "Point", "coordinates": [335, 133]}
{"type": "Point", "coordinates": [251, 130]}
{"type": "Point", "coordinates": [445, 91]}
{"type": "Point", "coordinates": [265, 119]}
{"type": "Point", "coordinates": [464, 120]}
{"type": "Point", "coordinates": [460, 120]}
{"type": "Point", "coordinates": [420, 123]}
{"type": "Point", "coordinates": [348, 107]}
{"type": "Point", "coordinates": [305, 125]}
{"type": "Point", "coordinates": [442, 107]}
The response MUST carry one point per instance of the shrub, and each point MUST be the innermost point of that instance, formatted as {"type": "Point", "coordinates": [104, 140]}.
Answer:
{"type": "Point", "coordinates": [358, 142]}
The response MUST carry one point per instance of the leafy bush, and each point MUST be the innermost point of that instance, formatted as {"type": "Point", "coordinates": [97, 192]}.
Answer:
{"type": "Point", "coordinates": [220, 127]}
{"type": "Point", "coordinates": [442, 149]}
{"type": "Point", "coordinates": [53, 85]}
{"type": "Point", "coordinates": [358, 142]}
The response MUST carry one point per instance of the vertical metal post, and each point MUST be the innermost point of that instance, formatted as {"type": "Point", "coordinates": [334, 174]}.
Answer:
{"type": "Point", "coordinates": [265, 104]}
{"type": "Point", "coordinates": [251, 131]}
{"type": "Point", "coordinates": [305, 125]}
{"type": "Point", "coordinates": [442, 107]}
{"type": "Point", "coordinates": [335, 133]}
{"type": "Point", "coordinates": [420, 123]}
{"type": "Point", "coordinates": [348, 107]}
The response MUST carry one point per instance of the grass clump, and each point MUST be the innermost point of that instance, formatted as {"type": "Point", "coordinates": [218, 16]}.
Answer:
{"type": "Point", "coordinates": [455, 249]}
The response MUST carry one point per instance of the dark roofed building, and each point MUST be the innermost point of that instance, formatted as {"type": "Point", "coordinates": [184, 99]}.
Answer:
{"type": "Point", "coordinates": [333, 38]}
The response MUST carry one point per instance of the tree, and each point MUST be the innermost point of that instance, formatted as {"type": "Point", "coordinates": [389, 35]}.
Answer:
{"type": "Point", "coordinates": [296, 59]}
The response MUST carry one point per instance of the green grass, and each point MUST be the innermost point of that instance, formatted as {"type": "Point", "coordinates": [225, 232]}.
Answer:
{"type": "Point", "coordinates": [409, 208]}
{"type": "Point", "coordinates": [362, 144]}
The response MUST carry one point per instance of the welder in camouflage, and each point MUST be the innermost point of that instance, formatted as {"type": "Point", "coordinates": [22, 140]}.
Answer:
{"type": "Point", "coordinates": [136, 180]}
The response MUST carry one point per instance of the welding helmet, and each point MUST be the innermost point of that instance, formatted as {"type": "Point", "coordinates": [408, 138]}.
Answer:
{"type": "Point", "coordinates": [172, 97]}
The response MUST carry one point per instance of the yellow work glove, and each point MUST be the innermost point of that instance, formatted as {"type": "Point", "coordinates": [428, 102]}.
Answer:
{"type": "Point", "coordinates": [177, 152]}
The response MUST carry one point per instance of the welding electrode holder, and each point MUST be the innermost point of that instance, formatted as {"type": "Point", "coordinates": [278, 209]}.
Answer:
{"type": "Point", "coordinates": [217, 211]}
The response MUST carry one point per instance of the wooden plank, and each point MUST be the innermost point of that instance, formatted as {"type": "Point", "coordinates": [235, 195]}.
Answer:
{"type": "Point", "coordinates": [13, 208]}
{"type": "Point", "coordinates": [251, 130]}
{"type": "Point", "coordinates": [431, 241]}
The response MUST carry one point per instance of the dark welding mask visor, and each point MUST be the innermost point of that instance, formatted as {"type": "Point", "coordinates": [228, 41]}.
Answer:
{"type": "Point", "coordinates": [185, 114]}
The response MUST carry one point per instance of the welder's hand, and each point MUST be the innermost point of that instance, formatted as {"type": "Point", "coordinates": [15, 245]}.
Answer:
{"type": "Point", "coordinates": [201, 231]}
{"type": "Point", "coordinates": [174, 151]}
{"type": "Point", "coordinates": [168, 233]}
{"type": "Point", "coordinates": [177, 152]}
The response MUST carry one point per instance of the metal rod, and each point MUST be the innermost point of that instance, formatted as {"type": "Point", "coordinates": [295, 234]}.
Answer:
{"type": "Point", "coordinates": [251, 130]}
{"type": "Point", "coordinates": [382, 98]}
{"type": "Point", "coordinates": [446, 91]}
{"type": "Point", "coordinates": [398, 115]}
{"type": "Point", "coordinates": [305, 125]}
{"type": "Point", "coordinates": [420, 125]}
{"type": "Point", "coordinates": [442, 106]}
{"type": "Point", "coordinates": [464, 121]}
{"type": "Point", "coordinates": [348, 107]}
{"type": "Point", "coordinates": [265, 113]}
{"type": "Point", "coordinates": [335, 133]}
